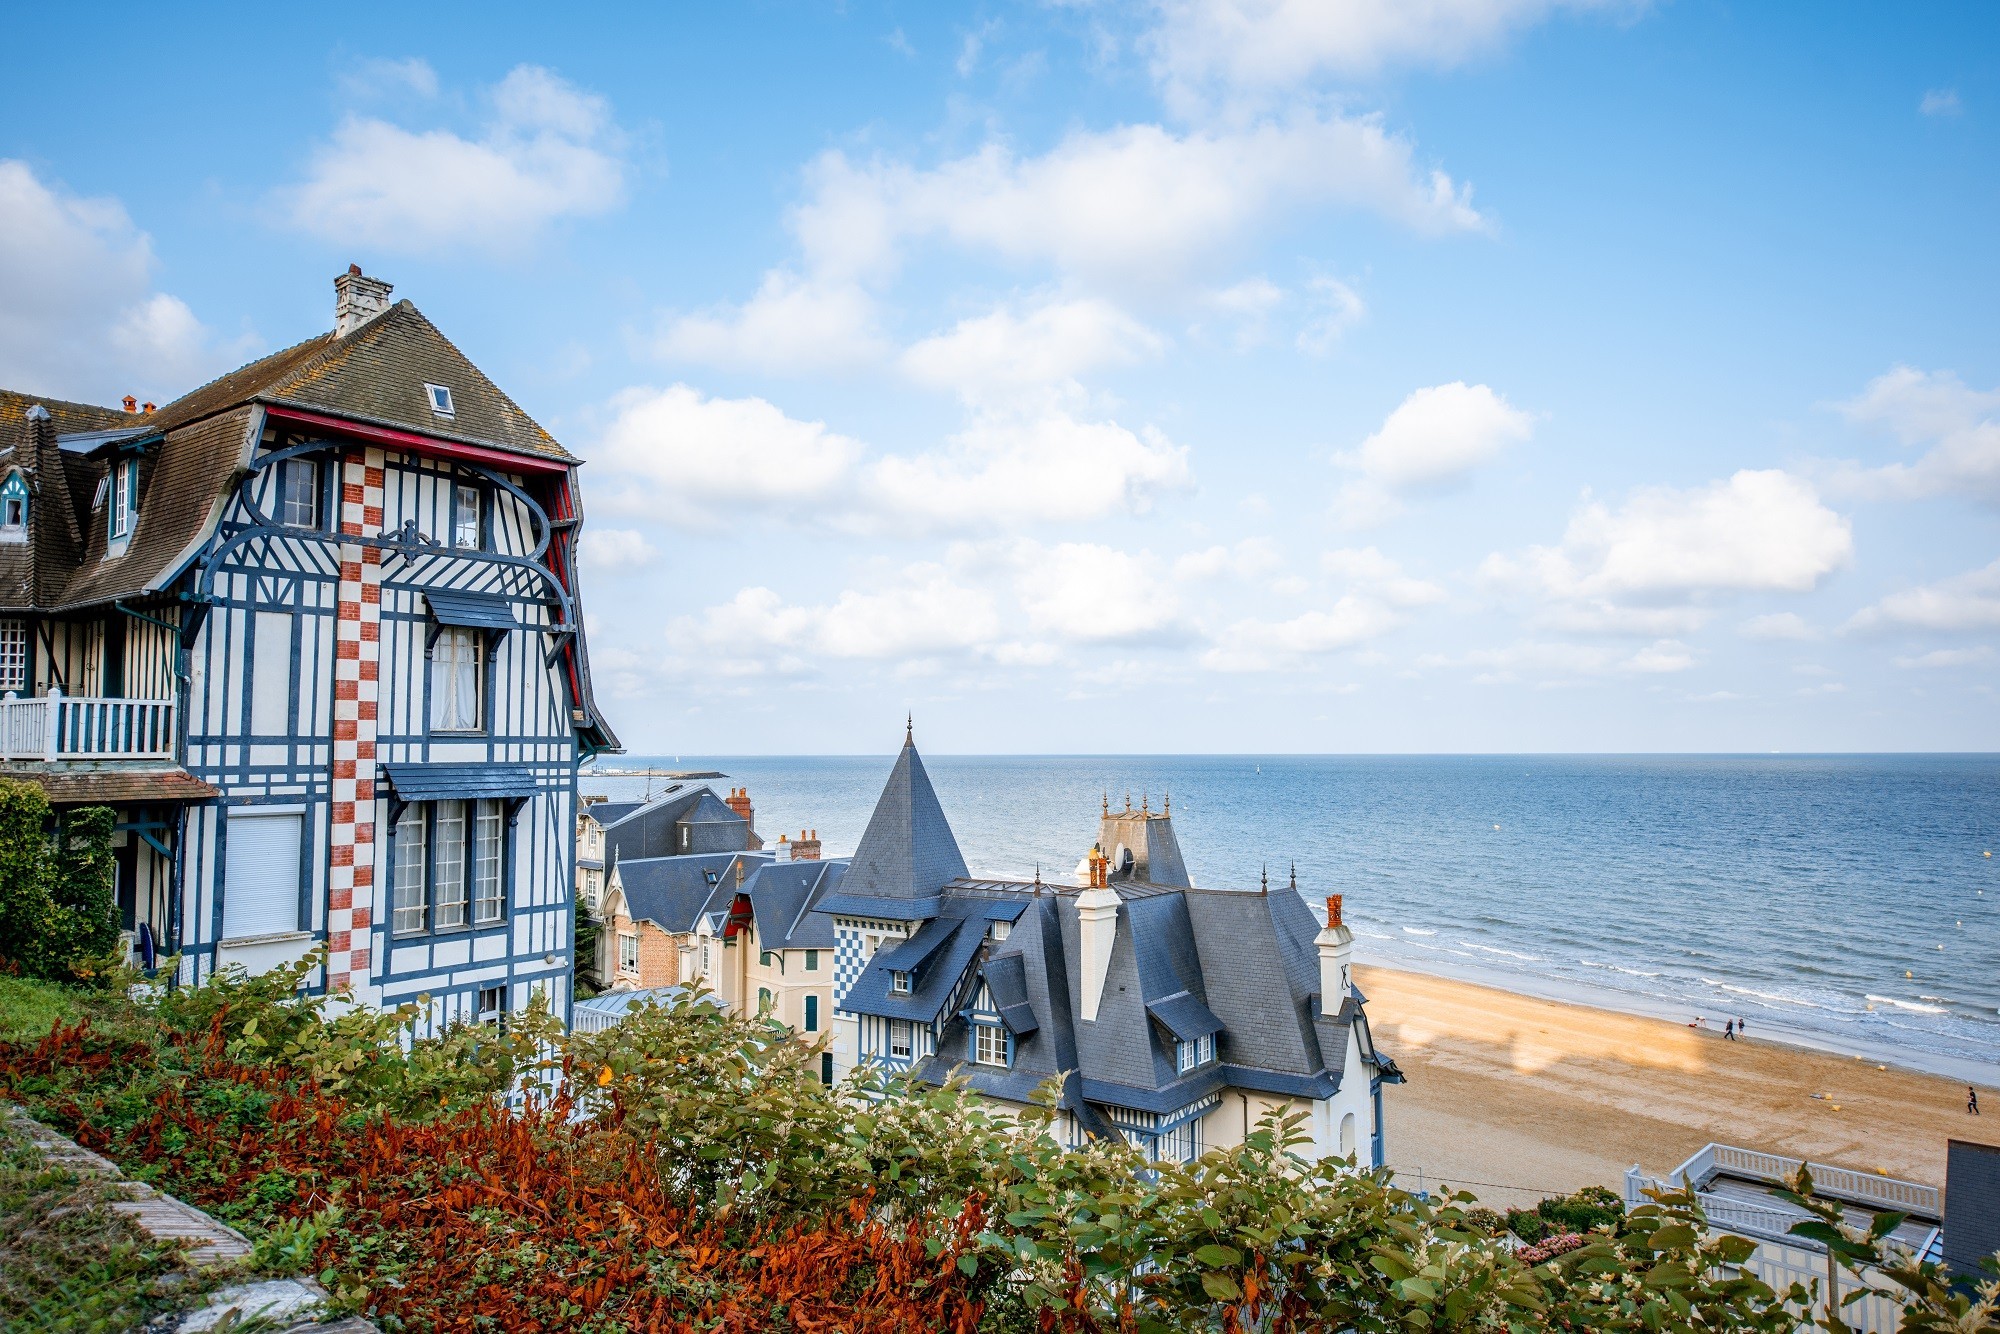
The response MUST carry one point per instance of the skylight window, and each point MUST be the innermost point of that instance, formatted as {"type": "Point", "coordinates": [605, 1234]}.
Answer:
{"type": "Point", "coordinates": [440, 398]}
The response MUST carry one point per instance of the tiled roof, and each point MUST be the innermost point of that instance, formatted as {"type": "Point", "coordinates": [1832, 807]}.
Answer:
{"type": "Point", "coordinates": [907, 851]}
{"type": "Point", "coordinates": [32, 572]}
{"type": "Point", "coordinates": [377, 374]}
{"type": "Point", "coordinates": [102, 783]}
{"type": "Point", "coordinates": [673, 892]}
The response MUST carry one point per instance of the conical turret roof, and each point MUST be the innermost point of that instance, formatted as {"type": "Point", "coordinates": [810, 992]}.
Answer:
{"type": "Point", "coordinates": [908, 851]}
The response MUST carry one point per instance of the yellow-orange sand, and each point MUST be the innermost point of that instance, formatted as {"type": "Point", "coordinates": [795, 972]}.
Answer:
{"type": "Point", "coordinates": [1515, 1098]}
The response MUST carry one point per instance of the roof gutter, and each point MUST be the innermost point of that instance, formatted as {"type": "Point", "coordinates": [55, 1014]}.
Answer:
{"type": "Point", "coordinates": [429, 446]}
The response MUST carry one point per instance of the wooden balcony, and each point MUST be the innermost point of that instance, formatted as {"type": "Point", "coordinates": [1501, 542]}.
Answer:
{"type": "Point", "coordinates": [56, 726]}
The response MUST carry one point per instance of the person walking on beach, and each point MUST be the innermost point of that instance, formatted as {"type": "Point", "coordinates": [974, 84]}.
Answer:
{"type": "Point", "coordinates": [1971, 1100]}
{"type": "Point", "coordinates": [1729, 1029]}
{"type": "Point", "coordinates": [1739, 1028]}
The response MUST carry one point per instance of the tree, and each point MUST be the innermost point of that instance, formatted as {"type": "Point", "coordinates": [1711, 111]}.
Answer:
{"type": "Point", "coordinates": [58, 901]}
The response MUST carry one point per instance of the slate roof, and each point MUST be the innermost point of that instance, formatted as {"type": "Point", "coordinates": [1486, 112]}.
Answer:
{"type": "Point", "coordinates": [783, 896]}
{"type": "Point", "coordinates": [654, 828]}
{"type": "Point", "coordinates": [907, 851]}
{"type": "Point", "coordinates": [1186, 963]}
{"type": "Point", "coordinates": [673, 892]}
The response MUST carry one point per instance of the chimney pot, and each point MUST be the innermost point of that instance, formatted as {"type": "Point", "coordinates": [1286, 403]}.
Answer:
{"type": "Point", "coordinates": [1333, 910]}
{"type": "Point", "coordinates": [146, 407]}
{"type": "Point", "coordinates": [354, 270]}
{"type": "Point", "coordinates": [131, 403]}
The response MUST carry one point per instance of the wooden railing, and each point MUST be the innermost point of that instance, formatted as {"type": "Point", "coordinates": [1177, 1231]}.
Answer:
{"type": "Point", "coordinates": [60, 727]}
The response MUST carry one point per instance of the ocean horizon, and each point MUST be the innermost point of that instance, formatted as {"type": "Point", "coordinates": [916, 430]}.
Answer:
{"type": "Point", "coordinates": [1845, 901]}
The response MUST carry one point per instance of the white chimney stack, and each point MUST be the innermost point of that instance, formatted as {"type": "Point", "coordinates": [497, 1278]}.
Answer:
{"type": "Point", "coordinates": [1097, 931]}
{"type": "Point", "coordinates": [358, 299]}
{"type": "Point", "coordinates": [1336, 952]}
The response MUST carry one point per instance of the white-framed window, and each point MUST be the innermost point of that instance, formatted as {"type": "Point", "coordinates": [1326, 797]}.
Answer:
{"type": "Point", "coordinates": [14, 508]}
{"type": "Point", "coordinates": [458, 680]}
{"type": "Point", "coordinates": [412, 908]}
{"type": "Point", "coordinates": [298, 493]}
{"type": "Point", "coordinates": [628, 952]}
{"type": "Point", "coordinates": [451, 864]}
{"type": "Point", "coordinates": [13, 655]}
{"type": "Point", "coordinates": [1204, 1049]}
{"type": "Point", "coordinates": [899, 1038]}
{"type": "Point", "coordinates": [465, 516]}
{"type": "Point", "coordinates": [1187, 1058]}
{"type": "Point", "coordinates": [261, 873]}
{"type": "Point", "coordinates": [439, 397]}
{"type": "Point", "coordinates": [124, 498]}
{"type": "Point", "coordinates": [1000, 930]}
{"type": "Point", "coordinates": [989, 1044]}
{"type": "Point", "coordinates": [899, 982]}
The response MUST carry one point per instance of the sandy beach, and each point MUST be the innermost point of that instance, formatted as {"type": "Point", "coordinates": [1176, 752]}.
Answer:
{"type": "Point", "coordinates": [1515, 1098]}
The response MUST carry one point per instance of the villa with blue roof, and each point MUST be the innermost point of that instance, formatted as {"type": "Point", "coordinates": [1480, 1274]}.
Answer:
{"type": "Point", "coordinates": [1177, 1016]}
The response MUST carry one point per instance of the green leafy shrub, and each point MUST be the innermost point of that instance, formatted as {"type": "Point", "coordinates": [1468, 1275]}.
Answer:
{"type": "Point", "coordinates": [58, 904]}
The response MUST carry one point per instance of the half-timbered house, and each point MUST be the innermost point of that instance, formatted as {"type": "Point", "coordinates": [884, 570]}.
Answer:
{"type": "Point", "coordinates": [313, 630]}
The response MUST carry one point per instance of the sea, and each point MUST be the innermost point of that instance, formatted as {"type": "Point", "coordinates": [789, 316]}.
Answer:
{"type": "Point", "coordinates": [1849, 902]}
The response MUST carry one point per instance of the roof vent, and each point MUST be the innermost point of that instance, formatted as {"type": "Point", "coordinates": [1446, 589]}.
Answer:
{"type": "Point", "coordinates": [358, 299]}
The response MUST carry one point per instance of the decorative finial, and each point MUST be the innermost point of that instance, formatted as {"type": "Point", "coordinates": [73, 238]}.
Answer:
{"type": "Point", "coordinates": [1264, 880]}
{"type": "Point", "coordinates": [910, 728]}
{"type": "Point", "coordinates": [1038, 877]}
{"type": "Point", "coordinates": [1295, 875]}
{"type": "Point", "coordinates": [1168, 807]}
{"type": "Point", "coordinates": [1128, 798]}
{"type": "Point", "coordinates": [1107, 802]}
{"type": "Point", "coordinates": [1145, 803]}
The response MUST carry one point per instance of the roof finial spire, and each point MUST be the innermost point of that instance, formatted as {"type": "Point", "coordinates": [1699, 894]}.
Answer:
{"type": "Point", "coordinates": [1128, 798]}
{"type": "Point", "coordinates": [1295, 874]}
{"type": "Point", "coordinates": [1264, 879]}
{"type": "Point", "coordinates": [1038, 877]}
{"type": "Point", "coordinates": [1167, 807]}
{"type": "Point", "coordinates": [1107, 801]}
{"type": "Point", "coordinates": [1145, 803]}
{"type": "Point", "coordinates": [910, 728]}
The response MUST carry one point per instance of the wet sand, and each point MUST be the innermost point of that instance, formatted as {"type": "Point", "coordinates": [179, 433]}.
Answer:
{"type": "Point", "coordinates": [1515, 1098]}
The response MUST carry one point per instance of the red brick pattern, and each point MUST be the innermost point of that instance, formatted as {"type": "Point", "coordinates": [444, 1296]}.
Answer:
{"type": "Point", "coordinates": [356, 696]}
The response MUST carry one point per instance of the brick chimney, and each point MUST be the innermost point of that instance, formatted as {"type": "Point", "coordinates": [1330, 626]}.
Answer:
{"type": "Point", "coordinates": [805, 848]}
{"type": "Point", "coordinates": [357, 300]}
{"type": "Point", "coordinates": [739, 801]}
{"type": "Point", "coordinates": [1336, 952]}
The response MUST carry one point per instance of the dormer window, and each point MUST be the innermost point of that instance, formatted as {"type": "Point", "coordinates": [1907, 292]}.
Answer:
{"type": "Point", "coordinates": [124, 498]}
{"type": "Point", "coordinates": [899, 982]}
{"type": "Point", "coordinates": [999, 930]}
{"type": "Point", "coordinates": [440, 398]}
{"type": "Point", "coordinates": [1197, 1053]}
{"type": "Point", "coordinates": [14, 509]}
{"type": "Point", "coordinates": [991, 1045]}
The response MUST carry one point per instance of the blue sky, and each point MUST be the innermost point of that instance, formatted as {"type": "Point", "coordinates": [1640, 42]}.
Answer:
{"type": "Point", "coordinates": [1209, 375]}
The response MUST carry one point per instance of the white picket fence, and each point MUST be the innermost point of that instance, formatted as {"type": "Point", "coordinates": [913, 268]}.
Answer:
{"type": "Point", "coordinates": [81, 727]}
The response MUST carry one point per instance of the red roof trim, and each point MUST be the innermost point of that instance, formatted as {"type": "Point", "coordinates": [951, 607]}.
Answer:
{"type": "Point", "coordinates": [428, 445]}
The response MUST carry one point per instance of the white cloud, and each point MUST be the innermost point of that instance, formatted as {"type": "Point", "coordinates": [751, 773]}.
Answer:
{"type": "Point", "coordinates": [1949, 657]}
{"type": "Point", "coordinates": [1759, 531]}
{"type": "Point", "coordinates": [687, 458]}
{"type": "Point", "coordinates": [80, 318]}
{"type": "Point", "coordinates": [1431, 440]}
{"type": "Point", "coordinates": [1249, 45]}
{"type": "Point", "coordinates": [1969, 601]}
{"type": "Point", "coordinates": [546, 151]}
{"type": "Point", "coordinates": [925, 614]}
{"type": "Point", "coordinates": [1940, 102]}
{"type": "Point", "coordinates": [1137, 203]}
{"type": "Point", "coordinates": [1778, 625]}
{"type": "Point", "coordinates": [1248, 559]}
{"type": "Point", "coordinates": [1008, 469]}
{"type": "Point", "coordinates": [615, 549]}
{"type": "Point", "coordinates": [1254, 645]}
{"type": "Point", "coordinates": [1960, 425]}
{"type": "Point", "coordinates": [1367, 570]}
{"type": "Point", "coordinates": [1086, 592]}
{"type": "Point", "coordinates": [679, 455]}
{"type": "Point", "coordinates": [1599, 617]}
{"type": "Point", "coordinates": [1053, 342]}
{"type": "Point", "coordinates": [792, 325]}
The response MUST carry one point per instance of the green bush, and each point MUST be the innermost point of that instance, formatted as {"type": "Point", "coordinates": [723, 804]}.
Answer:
{"type": "Point", "coordinates": [58, 896]}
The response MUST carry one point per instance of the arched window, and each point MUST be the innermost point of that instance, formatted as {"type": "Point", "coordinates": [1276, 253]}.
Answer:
{"type": "Point", "coordinates": [14, 508]}
{"type": "Point", "coordinates": [1347, 1135]}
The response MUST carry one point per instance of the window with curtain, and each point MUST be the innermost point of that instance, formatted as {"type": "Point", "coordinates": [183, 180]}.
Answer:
{"type": "Point", "coordinates": [450, 866]}
{"type": "Point", "coordinates": [899, 1037]}
{"type": "Point", "coordinates": [458, 678]}
{"type": "Point", "coordinates": [989, 1044]}
{"type": "Point", "coordinates": [628, 952]}
{"type": "Point", "coordinates": [124, 498]}
{"type": "Point", "coordinates": [465, 517]}
{"type": "Point", "coordinates": [13, 655]}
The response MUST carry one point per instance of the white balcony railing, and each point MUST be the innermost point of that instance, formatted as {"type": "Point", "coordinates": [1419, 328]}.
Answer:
{"type": "Point", "coordinates": [60, 727]}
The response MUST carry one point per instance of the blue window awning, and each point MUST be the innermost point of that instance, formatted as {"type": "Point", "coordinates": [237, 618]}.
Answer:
{"type": "Point", "coordinates": [460, 782]}
{"type": "Point", "coordinates": [476, 611]}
